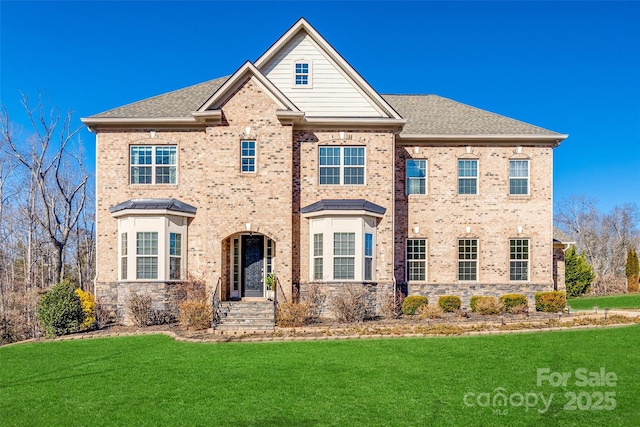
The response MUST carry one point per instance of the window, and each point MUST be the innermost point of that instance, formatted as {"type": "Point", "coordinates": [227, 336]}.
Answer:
{"type": "Point", "coordinates": [248, 156]}
{"type": "Point", "coordinates": [416, 176]}
{"type": "Point", "coordinates": [519, 259]}
{"type": "Point", "coordinates": [146, 255]}
{"type": "Point", "coordinates": [175, 255]}
{"type": "Point", "coordinates": [468, 259]}
{"type": "Point", "coordinates": [368, 256]}
{"type": "Point", "coordinates": [467, 177]}
{"type": "Point", "coordinates": [124, 264]}
{"type": "Point", "coordinates": [302, 74]}
{"type": "Point", "coordinates": [153, 164]}
{"type": "Point", "coordinates": [519, 177]}
{"type": "Point", "coordinates": [318, 262]}
{"type": "Point", "coordinates": [341, 165]}
{"type": "Point", "coordinates": [344, 251]}
{"type": "Point", "coordinates": [416, 260]}
{"type": "Point", "coordinates": [236, 266]}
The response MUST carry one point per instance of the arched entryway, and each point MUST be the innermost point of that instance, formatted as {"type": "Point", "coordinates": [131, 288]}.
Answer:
{"type": "Point", "coordinates": [250, 258]}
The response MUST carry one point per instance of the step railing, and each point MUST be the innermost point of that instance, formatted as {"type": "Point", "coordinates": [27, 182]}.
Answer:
{"type": "Point", "coordinates": [216, 305]}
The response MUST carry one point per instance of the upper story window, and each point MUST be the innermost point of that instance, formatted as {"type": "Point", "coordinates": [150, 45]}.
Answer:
{"type": "Point", "coordinates": [467, 176]}
{"type": "Point", "coordinates": [519, 177]}
{"type": "Point", "coordinates": [416, 176]}
{"type": "Point", "coordinates": [342, 165]}
{"type": "Point", "coordinates": [248, 156]}
{"type": "Point", "coordinates": [151, 164]}
{"type": "Point", "coordinates": [468, 259]}
{"type": "Point", "coordinates": [302, 74]}
{"type": "Point", "coordinates": [519, 259]}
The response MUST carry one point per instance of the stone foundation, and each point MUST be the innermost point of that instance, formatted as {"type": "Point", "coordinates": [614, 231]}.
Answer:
{"type": "Point", "coordinates": [378, 293]}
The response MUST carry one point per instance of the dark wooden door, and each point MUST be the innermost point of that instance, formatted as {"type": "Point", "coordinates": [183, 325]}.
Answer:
{"type": "Point", "coordinates": [252, 266]}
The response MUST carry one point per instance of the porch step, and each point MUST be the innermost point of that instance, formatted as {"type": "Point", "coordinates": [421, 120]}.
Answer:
{"type": "Point", "coordinates": [247, 316]}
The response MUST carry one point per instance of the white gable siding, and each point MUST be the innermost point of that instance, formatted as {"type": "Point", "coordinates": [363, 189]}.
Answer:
{"type": "Point", "coordinates": [331, 94]}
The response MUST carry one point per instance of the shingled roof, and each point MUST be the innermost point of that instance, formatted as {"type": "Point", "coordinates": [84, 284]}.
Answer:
{"type": "Point", "coordinates": [425, 114]}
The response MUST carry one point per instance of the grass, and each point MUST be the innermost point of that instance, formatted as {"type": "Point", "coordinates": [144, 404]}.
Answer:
{"type": "Point", "coordinates": [627, 301]}
{"type": "Point", "coordinates": [154, 380]}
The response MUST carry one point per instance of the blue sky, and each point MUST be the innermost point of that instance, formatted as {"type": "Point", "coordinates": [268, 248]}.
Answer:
{"type": "Point", "coordinates": [572, 67]}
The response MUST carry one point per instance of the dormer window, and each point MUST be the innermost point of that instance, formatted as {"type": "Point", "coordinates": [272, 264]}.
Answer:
{"type": "Point", "coordinates": [302, 74]}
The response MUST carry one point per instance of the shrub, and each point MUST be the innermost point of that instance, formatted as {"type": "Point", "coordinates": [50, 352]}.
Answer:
{"type": "Point", "coordinates": [427, 311]}
{"type": "Point", "coordinates": [103, 316]}
{"type": "Point", "coordinates": [140, 309]}
{"type": "Point", "coordinates": [632, 270]}
{"type": "Point", "coordinates": [314, 299]}
{"type": "Point", "coordinates": [473, 301]}
{"type": "Point", "coordinates": [350, 305]}
{"type": "Point", "coordinates": [578, 273]}
{"type": "Point", "coordinates": [392, 305]}
{"type": "Point", "coordinates": [512, 300]}
{"type": "Point", "coordinates": [292, 314]}
{"type": "Point", "coordinates": [60, 310]}
{"type": "Point", "coordinates": [88, 308]}
{"type": "Point", "coordinates": [550, 302]}
{"type": "Point", "coordinates": [195, 315]}
{"type": "Point", "coordinates": [519, 309]}
{"type": "Point", "coordinates": [489, 305]}
{"type": "Point", "coordinates": [412, 303]}
{"type": "Point", "coordinates": [449, 303]}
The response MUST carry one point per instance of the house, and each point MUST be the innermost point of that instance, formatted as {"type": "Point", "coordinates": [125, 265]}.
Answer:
{"type": "Point", "coordinates": [294, 164]}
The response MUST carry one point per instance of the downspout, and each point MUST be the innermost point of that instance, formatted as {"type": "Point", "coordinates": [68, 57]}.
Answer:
{"type": "Point", "coordinates": [393, 223]}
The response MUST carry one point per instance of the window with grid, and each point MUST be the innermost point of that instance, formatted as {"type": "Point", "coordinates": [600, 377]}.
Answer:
{"type": "Point", "coordinates": [153, 164]}
{"type": "Point", "coordinates": [248, 156]}
{"type": "Point", "coordinates": [175, 256]}
{"type": "Point", "coordinates": [124, 262]}
{"type": "Point", "coordinates": [416, 176]}
{"type": "Point", "coordinates": [467, 177]}
{"type": "Point", "coordinates": [344, 251]}
{"type": "Point", "coordinates": [302, 74]}
{"type": "Point", "coordinates": [468, 259]}
{"type": "Point", "coordinates": [519, 177]}
{"type": "Point", "coordinates": [368, 256]}
{"type": "Point", "coordinates": [519, 259]}
{"type": "Point", "coordinates": [146, 255]}
{"type": "Point", "coordinates": [341, 165]}
{"type": "Point", "coordinates": [318, 252]}
{"type": "Point", "coordinates": [416, 259]}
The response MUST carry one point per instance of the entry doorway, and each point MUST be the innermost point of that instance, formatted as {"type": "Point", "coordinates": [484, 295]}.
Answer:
{"type": "Point", "coordinates": [251, 259]}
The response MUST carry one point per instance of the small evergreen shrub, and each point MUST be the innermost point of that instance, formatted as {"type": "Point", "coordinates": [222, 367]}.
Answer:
{"type": "Point", "coordinates": [489, 305]}
{"type": "Point", "coordinates": [512, 300]}
{"type": "Point", "coordinates": [550, 302]}
{"type": "Point", "coordinates": [412, 303]}
{"type": "Point", "coordinates": [427, 311]}
{"type": "Point", "coordinates": [88, 308]}
{"type": "Point", "coordinates": [449, 303]}
{"type": "Point", "coordinates": [60, 310]}
{"type": "Point", "coordinates": [473, 301]}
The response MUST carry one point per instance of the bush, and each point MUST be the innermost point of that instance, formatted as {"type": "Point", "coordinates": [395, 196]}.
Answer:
{"type": "Point", "coordinates": [140, 309]}
{"type": "Point", "coordinates": [195, 315]}
{"type": "Point", "coordinates": [513, 300]}
{"type": "Point", "coordinates": [392, 305]}
{"type": "Point", "coordinates": [351, 304]}
{"type": "Point", "coordinates": [427, 311]}
{"type": "Point", "coordinates": [314, 299]}
{"type": "Point", "coordinates": [473, 301]}
{"type": "Point", "coordinates": [449, 303]}
{"type": "Point", "coordinates": [292, 314]}
{"type": "Point", "coordinates": [489, 305]}
{"type": "Point", "coordinates": [519, 309]}
{"type": "Point", "coordinates": [550, 302]}
{"type": "Point", "coordinates": [412, 303]}
{"type": "Point", "coordinates": [60, 310]}
{"type": "Point", "coordinates": [578, 273]}
{"type": "Point", "coordinates": [103, 316]}
{"type": "Point", "coordinates": [88, 308]}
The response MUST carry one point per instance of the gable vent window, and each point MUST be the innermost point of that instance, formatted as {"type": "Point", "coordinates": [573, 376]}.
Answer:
{"type": "Point", "coordinates": [302, 74]}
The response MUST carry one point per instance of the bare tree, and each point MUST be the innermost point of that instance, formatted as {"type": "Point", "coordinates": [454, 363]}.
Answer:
{"type": "Point", "coordinates": [58, 176]}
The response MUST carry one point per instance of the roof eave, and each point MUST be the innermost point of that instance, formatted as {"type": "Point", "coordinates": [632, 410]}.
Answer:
{"type": "Point", "coordinates": [354, 122]}
{"type": "Point", "coordinates": [99, 123]}
{"type": "Point", "coordinates": [555, 139]}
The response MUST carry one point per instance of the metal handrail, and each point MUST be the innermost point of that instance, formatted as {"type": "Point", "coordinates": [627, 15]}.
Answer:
{"type": "Point", "coordinates": [216, 305]}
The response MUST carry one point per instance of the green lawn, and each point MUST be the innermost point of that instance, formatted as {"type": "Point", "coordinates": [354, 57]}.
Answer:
{"type": "Point", "coordinates": [629, 301]}
{"type": "Point", "coordinates": [154, 380]}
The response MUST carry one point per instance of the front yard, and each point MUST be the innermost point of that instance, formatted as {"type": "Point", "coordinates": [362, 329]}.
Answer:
{"type": "Point", "coordinates": [628, 301]}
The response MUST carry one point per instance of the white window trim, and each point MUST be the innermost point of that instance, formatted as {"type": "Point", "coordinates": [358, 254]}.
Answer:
{"type": "Point", "coordinates": [163, 225]}
{"type": "Point", "coordinates": [477, 260]}
{"type": "Point", "coordinates": [528, 260]}
{"type": "Point", "coordinates": [476, 177]}
{"type": "Point", "coordinates": [409, 179]}
{"type": "Point", "coordinates": [328, 225]}
{"type": "Point", "coordinates": [254, 157]}
{"type": "Point", "coordinates": [342, 166]}
{"type": "Point", "coordinates": [309, 74]}
{"type": "Point", "coordinates": [528, 177]}
{"type": "Point", "coordinates": [407, 260]}
{"type": "Point", "coordinates": [153, 164]}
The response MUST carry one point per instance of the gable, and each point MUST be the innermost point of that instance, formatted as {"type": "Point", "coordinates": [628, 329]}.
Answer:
{"type": "Point", "coordinates": [330, 93]}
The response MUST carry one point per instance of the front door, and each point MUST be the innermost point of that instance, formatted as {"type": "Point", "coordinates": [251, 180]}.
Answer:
{"type": "Point", "coordinates": [252, 266]}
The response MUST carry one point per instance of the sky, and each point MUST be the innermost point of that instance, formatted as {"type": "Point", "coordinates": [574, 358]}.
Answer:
{"type": "Point", "coordinates": [571, 67]}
